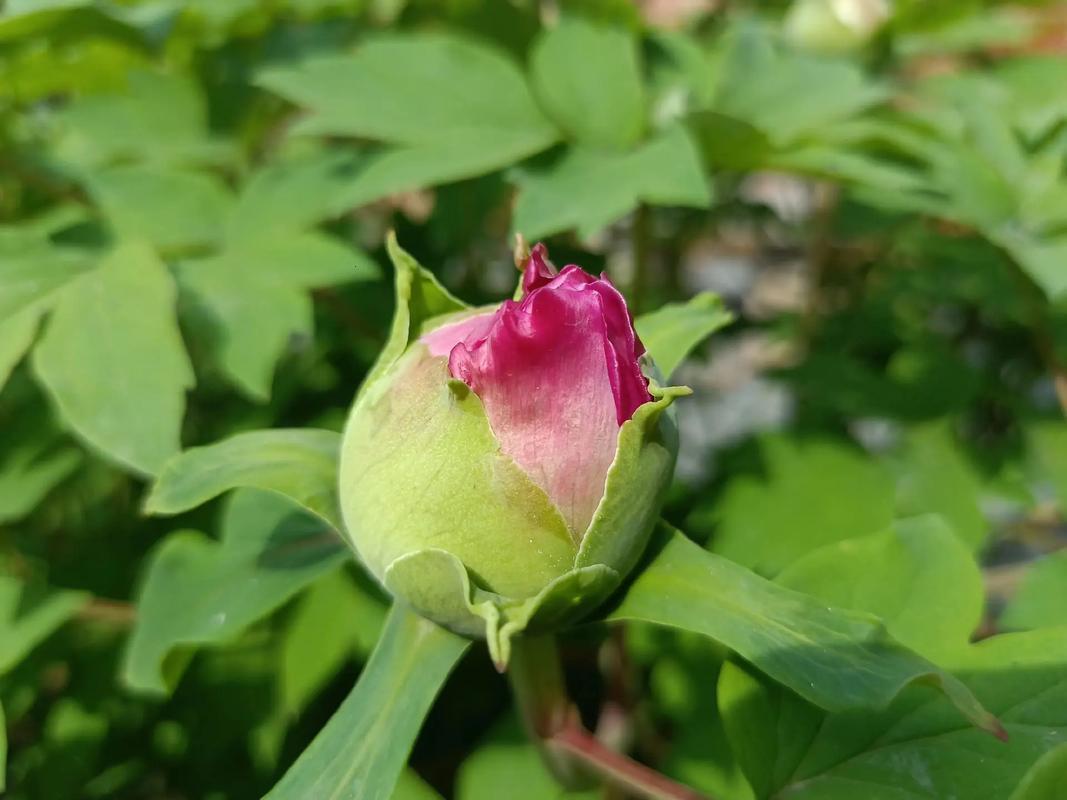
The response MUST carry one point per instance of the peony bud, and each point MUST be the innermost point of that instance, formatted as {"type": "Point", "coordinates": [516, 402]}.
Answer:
{"type": "Point", "coordinates": [503, 467]}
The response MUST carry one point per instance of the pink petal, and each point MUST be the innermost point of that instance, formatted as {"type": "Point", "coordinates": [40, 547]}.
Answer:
{"type": "Point", "coordinates": [558, 374]}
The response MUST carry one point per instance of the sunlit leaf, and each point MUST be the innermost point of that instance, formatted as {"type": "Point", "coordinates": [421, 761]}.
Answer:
{"type": "Point", "coordinates": [1041, 599]}
{"type": "Point", "coordinates": [113, 361]}
{"type": "Point", "coordinates": [298, 463]}
{"type": "Point", "coordinates": [362, 749]}
{"type": "Point", "coordinates": [197, 591]}
{"type": "Point", "coordinates": [671, 332]}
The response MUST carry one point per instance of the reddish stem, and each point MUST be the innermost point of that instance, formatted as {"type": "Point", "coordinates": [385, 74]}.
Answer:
{"type": "Point", "coordinates": [617, 768]}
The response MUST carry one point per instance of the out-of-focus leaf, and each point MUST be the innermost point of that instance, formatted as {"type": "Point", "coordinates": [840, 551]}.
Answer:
{"type": "Point", "coordinates": [1047, 446]}
{"type": "Point", "coordinates": [409, 786]}
{"type": "Point", "coordinates": [16, 335]}
{"type": "Point", "coordinates": [508, 765]}
{"type": "Point", "coordinates": [438, 97]}
{"type": "Point", "coordinates": [29, 614]}
{"type": "Point", "coordinates": [935, 476]}
{"type": "Point", "coordinates": [292, 194]}
{"type": "Point", "coordinates": [32, 270]}
{"type": "Point", "coordinates": [361, 751]}
{"type": "Point", "coordinates": [917, 576]}
{"type": "Point", "coordinates": [771, 89]}
{"type": "Point", "coordinates": [1041, 601]}
{"type": "Point", "coordinates": [670, 333]}
{"type": "Point", "coordinates": [156, 117]}
{"type": "Point", "coordinates": [300, 463]}
{"type": "Point", "coordinates": [836, 659]}
{"type": "Point", "coordinates": [811, 493]}
{"type": "Point", "coordinates": [588, 78]}
{"type": "Point", "coordinates": [354, 618]}
{"type": "Point", "coordinates": [113, 361]}
{"type": "Point", "coordinates": [1046, 779]}
{"type": "Point", "coordinates": [29, 469]}
{"type": "Point", "coordinates": [197, 591]}
{"type": "Point", "coordinates": [3, 750]}
{"type": "Point", "coordinates": [170, 208]}
{"type": "Point", "coordinates": [248, 322]}
{"type": "Point", "coordinates": [589, 189]}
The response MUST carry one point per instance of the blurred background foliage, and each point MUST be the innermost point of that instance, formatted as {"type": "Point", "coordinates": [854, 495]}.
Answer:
{"type": "Point", "coordinates": [193, 201]}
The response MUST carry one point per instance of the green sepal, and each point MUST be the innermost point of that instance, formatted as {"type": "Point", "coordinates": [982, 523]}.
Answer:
{"type": "Point", "coordinates": [419, 296]}
{"type": "Point", "coordinates": [437, 585]}
{"type": "Point", "coordinates": [633, 492]}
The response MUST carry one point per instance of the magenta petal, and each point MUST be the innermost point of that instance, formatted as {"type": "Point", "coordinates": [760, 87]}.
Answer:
{"type": "Point", "coordinates": [539, 270]}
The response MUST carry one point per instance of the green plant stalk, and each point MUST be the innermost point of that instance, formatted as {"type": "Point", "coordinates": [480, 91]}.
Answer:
{"type": "Point", "coordinates": [541, 696]}
{"type": "Point", "coordinates": [574, 755]}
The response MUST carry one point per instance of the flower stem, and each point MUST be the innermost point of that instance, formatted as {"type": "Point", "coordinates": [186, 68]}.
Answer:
{"type": "Point", "coordinates": [624, 772]}
{"type": "Point", "coordinates": [573, 754]}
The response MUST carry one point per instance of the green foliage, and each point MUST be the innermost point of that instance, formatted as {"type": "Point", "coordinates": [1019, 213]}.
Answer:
{"type": "Point", "coordinates": [361, 751]}
{"type": "Point", "coordinates": [195, 206]}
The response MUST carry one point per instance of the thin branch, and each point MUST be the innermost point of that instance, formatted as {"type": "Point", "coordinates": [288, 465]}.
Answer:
{"type": "Point", "coordinates": [618, 769]}
{"type": "Point", "coordinates": [114, 612]}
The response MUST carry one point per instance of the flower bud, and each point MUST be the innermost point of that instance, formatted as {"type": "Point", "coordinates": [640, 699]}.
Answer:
{"type": "Point", "coordinates": [503, 467]}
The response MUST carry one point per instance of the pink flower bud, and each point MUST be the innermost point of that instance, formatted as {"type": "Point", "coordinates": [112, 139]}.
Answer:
{"type": "Point", "coordinates": [558, 374]}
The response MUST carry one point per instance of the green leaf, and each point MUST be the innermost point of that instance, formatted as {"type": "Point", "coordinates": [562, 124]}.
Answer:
{"type": "Point", "coordinates": [588, 78]}
{"type": "Point", "coordinates": [197, 591]}
{"type": "Point", "coordinates": [292, 194]}
{"type": "Point", "coordinates": [508, 765]}
{"type": "Point", "coordinates": [768, 522]}
{"type": "Point", "coordinates": [113, 361]}
{"type": "Point", "coordinates": [1046, 444]}
{"type": "Point", "coordinates": [1041, 600]}
{"type": "Point", "coordinates": [30, 468]}
{"type": "Point", "coordinates": [588, 189]}
{"type": "Point", "coordinates": [1046, 779]}
{"type": "Point", "coordinates": [836, 659]}
{"type": "Point", "coordinates": [157, 117]}
{"type": "Point", "coordinates": [434, 95]}
{"type": "Point", "coordinates": [3, 750]}
{"type": "Point", "coordinates": [362, 750]}
{"type": "Point", "coordinates": [248, 322]}
{"type": "Point", "coordinates": [299, 463]}
{"type": "Point", "coordinates": [918, 748]}
{"type": "Point", "coordinates": [32, 270]}
{"type": "Point", "coordinates": [29, 614]}
{"type": "Point", "coordinates": [354, 617]}
{"type": "Point", "coordinates": [671, 332]}
{"type": "Point", "coordinates": [16, 335]}
{"type": "Point", "coordinates": [172, 209]}
{"type": "Point", "coordinates": [936, 476]}
{"type": "Point", "coordinates": [917, 576]}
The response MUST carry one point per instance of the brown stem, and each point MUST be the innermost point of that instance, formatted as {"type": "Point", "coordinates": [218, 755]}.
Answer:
{"type": "Point", "coordinates": [624, 772]}
{"type": "Point", "coordinates": [114, 612]}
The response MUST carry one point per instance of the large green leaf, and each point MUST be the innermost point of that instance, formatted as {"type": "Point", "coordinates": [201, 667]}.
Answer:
{"type": "Point", "coordinates": [671, 332]}
{"type": "Point", "coordinates": [362, 749]}
{"type": "Point", "coordinates": [32, 270]}
{"type": "Point", "coordinates": [917, 748]}
{"type": "Point", "coordinates": [926, 587]}
{"type": "Point", "coordinates": [247, 322]}
{"type": "Point", "coordinates": [836, 659]}
{"type": "Point", "coordinates": [300, 463]}
{"type": "Point", "coordinates": [173, 209]}
{"type": "Point", "coordinates": [30, 613]}
{"type": "Point", "coordinates": [113, 360]}
{"type": "Point", "coordinates": [588, 189]}
{"type": "Point", "coordinates": [197, 591]}
{"type": "Point", "coordinates": [436, 96]}
{"type": "Point", "coordinates": [16, 335]}
{"type": "Point", "coordinates": [156, 117]}
{"type": "Point", "coordinates": [811, 493]}
{"type": "Point", "coordinates": [588, 78]}
{"type": "Point", "coordinates": [1041, 600]}
{"type": "Point", "coordinates": [1046, 779]}
{"type": "Point", "coordinates": [3, 750]}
